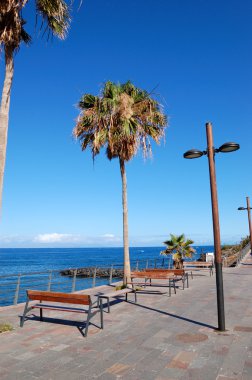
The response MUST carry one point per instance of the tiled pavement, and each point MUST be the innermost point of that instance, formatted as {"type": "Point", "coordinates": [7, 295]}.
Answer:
{"type": "Point", "coordinates": [159, 338]}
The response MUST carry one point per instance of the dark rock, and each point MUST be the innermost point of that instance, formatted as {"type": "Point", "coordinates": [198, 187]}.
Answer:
{"type": "Point", "coordinates": [89, 272]}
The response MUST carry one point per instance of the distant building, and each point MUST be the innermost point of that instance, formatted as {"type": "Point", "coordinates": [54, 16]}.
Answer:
{"type": "Point", "coordinates": [210, 256]}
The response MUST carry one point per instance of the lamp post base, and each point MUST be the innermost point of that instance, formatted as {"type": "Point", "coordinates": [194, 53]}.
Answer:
{"type": "Point", "coordinates": [220, 297]}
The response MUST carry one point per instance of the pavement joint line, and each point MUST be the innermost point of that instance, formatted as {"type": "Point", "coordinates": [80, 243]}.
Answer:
{"type": "Point", "coordinates": [143, 335]}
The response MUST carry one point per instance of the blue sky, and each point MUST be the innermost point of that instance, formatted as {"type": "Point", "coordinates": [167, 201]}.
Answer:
{"type": "Point", "coordinates": [197, 55]}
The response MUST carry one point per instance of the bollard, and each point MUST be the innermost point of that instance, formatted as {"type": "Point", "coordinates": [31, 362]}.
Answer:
{"type": "Point", "coordinates": [17, 290]}
{"type": "Point", "coordinates": [49, 281]}
{"type": "Point", "coordinates": [137, 264]}
{"type": "Point", "coordinates": [94, 277]}
{"type": "Point", "coordinates": [111, 275]}
{"type": "Point", "coordinates": [74, 281]}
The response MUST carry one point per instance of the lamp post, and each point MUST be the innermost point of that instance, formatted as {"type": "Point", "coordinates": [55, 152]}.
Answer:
{"type": "Point", "coordinates": [210, 152]}
{"type": "Point", "coordinates": [248, 208]}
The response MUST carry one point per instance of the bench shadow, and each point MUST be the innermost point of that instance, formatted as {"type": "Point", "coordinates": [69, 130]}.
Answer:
{"type": "Point", "coordinates": [245, 264]}
{"type": "Point", "coordinates": [175, 316]}
{"type": "Point", "coordinates": [80, 325]}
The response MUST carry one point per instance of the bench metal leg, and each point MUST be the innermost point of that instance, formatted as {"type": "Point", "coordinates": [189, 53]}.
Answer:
{"type": "Point", "coordinates": [135, 296]}
{"type": "Point", "coordinates": [107, 300]}
{"type": "Point", "coordinates": [41, 313]}
{"type": "Point", "coordinates": [26, 310]}
{"type": "Point", "coordinates": [88, 320]}
{"type": "Point", "coordinates": [108, 304]}
{"type": "Point", "coordinates": [101, 312]}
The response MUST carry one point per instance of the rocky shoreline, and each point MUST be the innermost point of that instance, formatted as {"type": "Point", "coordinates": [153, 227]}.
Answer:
{"type": "Point", "coordinates": [89, 272]}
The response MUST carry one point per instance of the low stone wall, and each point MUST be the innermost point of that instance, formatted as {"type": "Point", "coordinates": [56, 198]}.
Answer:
{"type": "Point", "coordinates": [89, 272]}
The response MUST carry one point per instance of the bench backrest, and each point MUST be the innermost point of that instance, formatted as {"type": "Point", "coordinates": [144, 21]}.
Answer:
{"type": "Point", "coordinates": [179, 272]}
{"type": "Point", "coordinates": [150, 274]}
{"type": "Point", "coordinates": [79, 299]}
{"type": "Point", "coordinates": [198, 264]}
{"type": "Point", "coordinates": [138, 274]}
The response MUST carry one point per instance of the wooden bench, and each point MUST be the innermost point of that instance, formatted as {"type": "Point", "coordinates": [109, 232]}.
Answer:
{"type": "Point", "coordinates": [149, 275]}
{"type": "Point", "coordinates": [115, 294]}
{"type": "Point", "coordinates": [181, 273]}
{"type": "Point", "coordinates": [198, 265]}
{"type": "Point", "coordinates": [69, 298]}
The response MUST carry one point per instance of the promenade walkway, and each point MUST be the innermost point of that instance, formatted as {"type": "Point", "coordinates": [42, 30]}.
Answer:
{"type": "Point", "coordinates": [161, 337]}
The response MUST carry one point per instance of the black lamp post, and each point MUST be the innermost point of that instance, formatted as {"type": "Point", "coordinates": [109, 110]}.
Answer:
{"type": "Point", "coordinates": [210, 152]}
{"type": "Point", "coordinates": [248, 208]}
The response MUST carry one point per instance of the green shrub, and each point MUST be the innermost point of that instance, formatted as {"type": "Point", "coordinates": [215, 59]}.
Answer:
{"type": "Point", "coordinates": [5, 327]}
{"type": "Point", "coordinates": [120, 287]}
{"type": "Point", "coordinates": [227, 246]}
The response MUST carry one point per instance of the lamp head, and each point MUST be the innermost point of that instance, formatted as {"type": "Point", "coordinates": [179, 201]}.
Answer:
{"type": "Point", "coordinates": [193, 153]}
{"type": "Point", "coordinates": [228, 147]}
{"type": "Point", "coordinates": [241, 208]}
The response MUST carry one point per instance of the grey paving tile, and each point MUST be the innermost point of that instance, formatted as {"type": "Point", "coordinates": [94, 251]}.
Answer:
{"type": "Point", "coordinates": [158, 339]}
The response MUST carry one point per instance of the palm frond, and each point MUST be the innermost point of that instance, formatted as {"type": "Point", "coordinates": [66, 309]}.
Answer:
{"type": "Point", "coordinates": [179, 245]}
{"type": "Point", "coordinates": [24, 36]}
{"type": "Point", "coordinates": [56, 15]}
{"type": "Point", "coordinates": [128, 114]}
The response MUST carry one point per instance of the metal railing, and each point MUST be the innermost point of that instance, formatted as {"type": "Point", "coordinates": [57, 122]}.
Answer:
{"type": "Point", "coordinates": [13, 287]}
{"type": "Point", "coordinates": [243, 253]}
{"type": "Point", "coordinates": [236, 258]}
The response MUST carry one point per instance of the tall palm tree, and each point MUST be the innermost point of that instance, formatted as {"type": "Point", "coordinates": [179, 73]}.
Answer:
{"type": "Point", "coordinates": [179, 247]}
{"type": "Point", "coordinates": [122, 119]}
{"type": "Point", "coordinates": [55, 18]}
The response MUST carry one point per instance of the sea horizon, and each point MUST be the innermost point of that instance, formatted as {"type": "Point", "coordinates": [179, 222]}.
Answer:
{"type": "Point", "coordinates": [20, 260]}
{"type": "Point", "coordinates": [31, 264]}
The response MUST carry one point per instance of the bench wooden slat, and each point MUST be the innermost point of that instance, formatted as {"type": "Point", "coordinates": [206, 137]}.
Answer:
{"type": "Point", "coordinates": [151, 275]}
{"type": "Point", "coordinates": [78, 299]}
{"type": "Point", "coordinates": [197, 264]}
{"type": "Point", "coordinates": [178, 272]}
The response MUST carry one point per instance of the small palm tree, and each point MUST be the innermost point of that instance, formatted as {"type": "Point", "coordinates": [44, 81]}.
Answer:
{"type": "Point", "coordinates": [122, 119]}
{"type": "Point", "coordinates": [55, 17]}
{"type": "Point", "coordinates": [180, 248]}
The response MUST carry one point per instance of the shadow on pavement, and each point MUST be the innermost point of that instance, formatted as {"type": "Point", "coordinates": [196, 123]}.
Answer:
{"type": "Point", "coordinates": [176, 316]}
{"type": "Point", "coordinates": [59, 321]}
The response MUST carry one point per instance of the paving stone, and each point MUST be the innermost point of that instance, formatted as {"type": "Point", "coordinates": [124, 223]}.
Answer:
{"type": "Point", "coordinates": [161, 338]}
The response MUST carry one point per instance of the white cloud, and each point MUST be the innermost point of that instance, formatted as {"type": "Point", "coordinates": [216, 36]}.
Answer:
{"type": "Point", "coordinates": [56, 238]}
{"type": "Point", "coordinates": [110, 238]}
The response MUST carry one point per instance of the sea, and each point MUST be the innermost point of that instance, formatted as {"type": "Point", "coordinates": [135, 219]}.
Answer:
{"type": "Point", "coordinates": [22, 268]}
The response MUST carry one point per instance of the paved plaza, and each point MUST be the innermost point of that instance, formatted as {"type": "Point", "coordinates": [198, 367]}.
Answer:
{"type": "Point", "coordinates": [160, 337]}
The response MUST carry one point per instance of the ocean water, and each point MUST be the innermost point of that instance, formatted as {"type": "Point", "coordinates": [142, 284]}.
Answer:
{"type": "Point", "coordinates": [24, 260]}
{"type": "Point", "coordinates": [29, 263]}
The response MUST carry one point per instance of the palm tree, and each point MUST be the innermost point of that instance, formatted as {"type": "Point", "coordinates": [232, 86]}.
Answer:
{"type": "Point", "coordinates": [122, 119]}
{"type": "Point", "coordinates": [55, 16]}
{"type": "Point", "coordinates": [179, 247]}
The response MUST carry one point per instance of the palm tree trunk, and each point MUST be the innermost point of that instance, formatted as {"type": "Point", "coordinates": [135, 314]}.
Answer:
{"type": "Point", "coordinates": [126, 275]}
{"type": "Point", "coordinates": [4, 113]}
